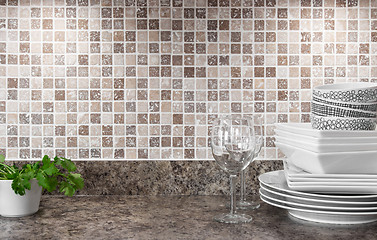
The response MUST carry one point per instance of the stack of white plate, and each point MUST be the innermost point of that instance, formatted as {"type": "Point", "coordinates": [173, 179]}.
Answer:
{"type": "Point", "coordinates": [328, 176]}
{"type": "Point", "coordinates": [330, 183]}
{"type": "Point", "coordinates": [324, 208]}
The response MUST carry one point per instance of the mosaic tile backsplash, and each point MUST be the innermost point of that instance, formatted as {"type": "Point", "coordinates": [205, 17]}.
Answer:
{"type": "Point", "coordinates": [142, 79]}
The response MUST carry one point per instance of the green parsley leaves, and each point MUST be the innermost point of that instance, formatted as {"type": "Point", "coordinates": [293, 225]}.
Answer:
{"type": "Point", "coordinates": [50, 174]}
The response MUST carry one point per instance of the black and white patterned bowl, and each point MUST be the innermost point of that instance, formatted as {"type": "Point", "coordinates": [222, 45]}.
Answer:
{"type": "Point", "coordinates": [355, 92]}
{"type": "Point", "coordinates": [336, 123]}
{"type": "Point", "coordinates": [324, 110]}
{"type": "Point", "coordinates": [371, 107]}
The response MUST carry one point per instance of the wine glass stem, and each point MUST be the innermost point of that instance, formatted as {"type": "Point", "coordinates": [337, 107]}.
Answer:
{"type": "Point", "coordinates": [242, 185]}
{"type": "Point", "coordinates": [232, 194]}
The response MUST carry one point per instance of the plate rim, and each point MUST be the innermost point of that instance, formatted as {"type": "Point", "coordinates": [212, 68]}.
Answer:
{"type": "Point", "coordinates": [319, 140]}
{"type": "Point", "coordinates": [361, 196]}
{"type": "Point", "coordinates": [317, 133]}
{"type": "Point", "coordinates": [315, 211]}
{"type": "Point", "coordinates": [334, 184]}
{"type": "Point", "coordinates": [333, 175]}
{"type": "Point", "coordinates": [318, 200]}
{"type": "Point", "coordinates": [304, 205]}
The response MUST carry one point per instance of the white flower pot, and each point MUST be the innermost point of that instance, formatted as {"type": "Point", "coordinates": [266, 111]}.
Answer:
{"type": "Point", "coordinates": [14, 205]}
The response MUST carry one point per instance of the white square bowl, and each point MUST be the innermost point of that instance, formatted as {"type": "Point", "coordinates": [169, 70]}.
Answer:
{"type": "Point", "coordinates": [356, 162]}
{"type": "Point", "coordinates": [326, 140]}
{"type": "Point", "coordinates": [327, 148]}
{"type": "Point", "coordinates": [307, 130]}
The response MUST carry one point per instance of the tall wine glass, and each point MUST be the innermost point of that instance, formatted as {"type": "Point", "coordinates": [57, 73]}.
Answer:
{"type": "Point", "coordinates": [232, 142]}
{"type": "Point", "coordinates": [255, 122]}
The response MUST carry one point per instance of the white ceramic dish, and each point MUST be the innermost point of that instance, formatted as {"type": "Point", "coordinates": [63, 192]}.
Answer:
{"type": "Point", "coordinates": [324, 123]}
{"type": "Point", "coordinates": [358, 106]}
{"type": "Point", "coordinates": [326, 148]}
{"type": "Point", "coordinates": [316, 206]}
{"type": "Point", "coordinates": [323, 109]}
{"type": "Point", "coordinates": [339, 177]}
{"type": "Point", "coordinates": [307, 130]}
{"type": "Point", "coordinates": [346, 86]}
{"type": "Point", "coordinates": [324, 216]}
{"type": "Point", "coordinates": [333, 189]}
{"type": "Point", "coordinates": [321, 202]}
{"type": "Point", "coordinates": [357, 162]}
{"type": "Point", "coordinates": [326, 140]}
{"type": "Point", "coordinates": [361, 92]}
{"type": "Point", "coordinates": [276, 180]}
{"type": "Point", "coordinates": [332, 180]}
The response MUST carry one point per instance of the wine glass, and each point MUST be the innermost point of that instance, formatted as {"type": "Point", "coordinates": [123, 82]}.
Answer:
{"type": "Point", "coordinates": [232, 143]}
{"type": "Point", "coordinates": [258, 130]}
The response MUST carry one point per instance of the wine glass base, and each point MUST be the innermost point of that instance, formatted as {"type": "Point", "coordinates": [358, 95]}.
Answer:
{"type": "Point", "coordinates": [233, 218]}
{"type": "Point", "coordinates": [247, 205]}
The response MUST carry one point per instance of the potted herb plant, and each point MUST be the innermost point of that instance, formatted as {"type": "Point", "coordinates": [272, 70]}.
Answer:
{"type": "Point", "coordinates": [21, 187]}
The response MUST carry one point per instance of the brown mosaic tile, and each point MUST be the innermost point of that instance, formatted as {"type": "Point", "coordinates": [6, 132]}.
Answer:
{"type": "Point", "coordinates": [142, 67]}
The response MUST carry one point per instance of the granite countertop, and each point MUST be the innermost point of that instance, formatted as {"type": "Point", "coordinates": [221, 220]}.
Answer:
{"type": "Point", "coordinates": [163, 217]}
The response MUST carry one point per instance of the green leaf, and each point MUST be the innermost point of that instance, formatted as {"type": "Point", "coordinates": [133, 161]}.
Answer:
{"type": "Point", "coordinates": [46, 159]}
{"type": "Point", "coordinates": [77, 180]}
{"type": "Point", "coordinates": [57, 161]}
{"type": "Point", "coordinates": [22, 182]}
{"type": "Point", "coordinates": [68, 165]}
{"type": "Point", "coordinates": [48, 183]}
{"type": "Point", "coordinates": [48, 167]}
{"type": "Point", "coordinates": [49, 174]}
{"type": "Point", "coordinates": [17, 187]}
{"type": "Point", "coordinates": [67, 188]}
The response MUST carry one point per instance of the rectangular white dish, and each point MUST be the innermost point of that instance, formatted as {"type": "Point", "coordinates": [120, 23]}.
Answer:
{"type": "Point", "coordinates": [325, 140]}
{"type": "Point", "coordinates": [333, 184]}
{"type": "Point", "coordinates": [331, 180]}
{"type": "Point", "coordinates": [326, 148]}
{"type": "Point", "coordinates": [333, 176]}
{"type": "Point", "coordinates": [364, 162]}
{"type": "Point", "coordinates": [307, 130]}
{"type": "Point", "coordinates": [335, 189]}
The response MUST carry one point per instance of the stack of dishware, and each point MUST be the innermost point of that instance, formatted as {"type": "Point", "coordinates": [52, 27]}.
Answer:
{"type": "Point", "coordinates": [329, 176]}
{"type": "Point", "coordinates": [344, 106]}
{"type": "Point", "coordinates": [327, 152]}
{"type": "Point", "coordinates": [316, 207]}
{"type": "Point", "coordinates": [330, 170]}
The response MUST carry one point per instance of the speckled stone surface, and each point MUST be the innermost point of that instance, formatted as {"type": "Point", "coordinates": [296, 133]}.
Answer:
{"type": "Point", "coordinates": [164, 177]}
{"type": "Point", "coordinates": [163, 217]}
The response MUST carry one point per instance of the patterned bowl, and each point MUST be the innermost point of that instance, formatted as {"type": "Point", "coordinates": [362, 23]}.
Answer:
{"type": "Point", "coordinates": [339, 123]}
{"type": "Point", "coordinates": [371, 107]}
{"type": "Point", "coordinates": [324, 110]}
{"type": "Point", "coordinates": [354, 92]}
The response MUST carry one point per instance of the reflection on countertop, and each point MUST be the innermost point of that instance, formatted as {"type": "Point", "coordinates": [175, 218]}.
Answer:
{"type": "Point", "coordinates": [163, 217]}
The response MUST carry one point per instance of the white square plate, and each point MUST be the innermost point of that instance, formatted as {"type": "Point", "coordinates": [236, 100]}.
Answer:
{"type": "Point", "coordinates": [326, 148]}
{"type": "Point", "coordinates": [307, 130]}
{"type": "Point", "coordinates": [357, 162]}
{"type": "Point", "coordinates": [325, 140]}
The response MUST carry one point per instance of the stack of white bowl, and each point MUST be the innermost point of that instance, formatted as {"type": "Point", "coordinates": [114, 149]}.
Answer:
{"type": "Point", "coordinates": [341, 157]}
{"type": "Point", "coordinates": [344, 106]}
{"type": "Point", "coordinates": [328, 152]}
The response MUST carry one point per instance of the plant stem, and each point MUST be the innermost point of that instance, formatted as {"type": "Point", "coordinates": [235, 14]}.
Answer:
{"type": "Point", "coordinates": [9, 168]}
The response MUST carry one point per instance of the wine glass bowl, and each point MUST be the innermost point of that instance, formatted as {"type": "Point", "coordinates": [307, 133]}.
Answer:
{"type": "Point", "coordinates": [232, 144]}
